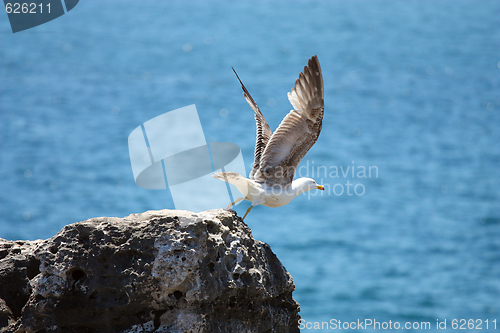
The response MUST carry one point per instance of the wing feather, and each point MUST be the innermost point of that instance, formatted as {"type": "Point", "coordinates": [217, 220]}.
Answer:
{"type": "Point", "coordinates": [298, 131]}
{"type": "Point", "coordinates": [264, 132]}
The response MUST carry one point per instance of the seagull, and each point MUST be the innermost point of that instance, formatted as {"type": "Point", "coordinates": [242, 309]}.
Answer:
{"type": "Point", "coordinates": [277, 155]}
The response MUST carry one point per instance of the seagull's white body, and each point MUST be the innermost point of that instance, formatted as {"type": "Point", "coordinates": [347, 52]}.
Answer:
{"type": "Point", "coordinates": [262, 194]}
{"type": "Point", "coordinates": [278, 154]}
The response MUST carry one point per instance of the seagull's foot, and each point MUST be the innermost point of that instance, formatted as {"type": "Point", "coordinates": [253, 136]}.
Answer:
{"type": "Point", "coordinates": [248, 211]}
{"type": "Point", "coordinates": [234, 203]}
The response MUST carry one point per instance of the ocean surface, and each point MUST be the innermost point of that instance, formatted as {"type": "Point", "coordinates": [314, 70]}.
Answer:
{"type": "Point", "coordinates": [412, 106]}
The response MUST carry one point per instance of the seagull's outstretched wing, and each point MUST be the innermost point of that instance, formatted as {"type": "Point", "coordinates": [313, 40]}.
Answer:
{"type": "Point", "coordinates": [263, 131]}
{"type": "Point", "coordinates": [298, 131]}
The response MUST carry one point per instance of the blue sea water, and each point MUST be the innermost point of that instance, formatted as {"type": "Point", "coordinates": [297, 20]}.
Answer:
{"type": "Point", "coordinates": [412, 98]}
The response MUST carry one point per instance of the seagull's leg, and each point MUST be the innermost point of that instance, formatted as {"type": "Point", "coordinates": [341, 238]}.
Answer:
{"type": "Point", "coordinates": [234, 203]}
{"type": "Point", "coordinates": [248, 211]}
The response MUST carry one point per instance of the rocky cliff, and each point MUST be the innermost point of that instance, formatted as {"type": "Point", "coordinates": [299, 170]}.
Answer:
{"type": "Point", "coordinates": [159, 271]}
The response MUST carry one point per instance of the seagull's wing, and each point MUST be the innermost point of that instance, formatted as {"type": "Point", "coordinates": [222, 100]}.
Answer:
{"type": "Point", "coordinates": [263, 131]}
{"type": "Point", "coordinates": [298, 131]}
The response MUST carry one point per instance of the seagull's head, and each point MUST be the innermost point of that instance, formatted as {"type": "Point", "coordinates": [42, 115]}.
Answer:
{"type": "Point", "coordinates": [306, 184]}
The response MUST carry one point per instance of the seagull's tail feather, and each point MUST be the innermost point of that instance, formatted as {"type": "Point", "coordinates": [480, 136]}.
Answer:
{"type": "Point", "coordinates": [234, 178]}
{"type": "Point", "coordinates": [226, 176]}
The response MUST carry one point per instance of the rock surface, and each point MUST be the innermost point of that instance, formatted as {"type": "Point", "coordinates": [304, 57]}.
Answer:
{"type": "Point", "coordinates": [159, 271]}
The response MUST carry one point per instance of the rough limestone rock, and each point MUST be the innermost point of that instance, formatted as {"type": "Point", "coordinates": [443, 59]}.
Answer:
{"type": "Point", "coordinates": [160, 271]}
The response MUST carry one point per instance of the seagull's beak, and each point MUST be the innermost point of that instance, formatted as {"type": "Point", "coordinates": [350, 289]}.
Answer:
{"type": "Point", "coordinates": [320, 187]}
